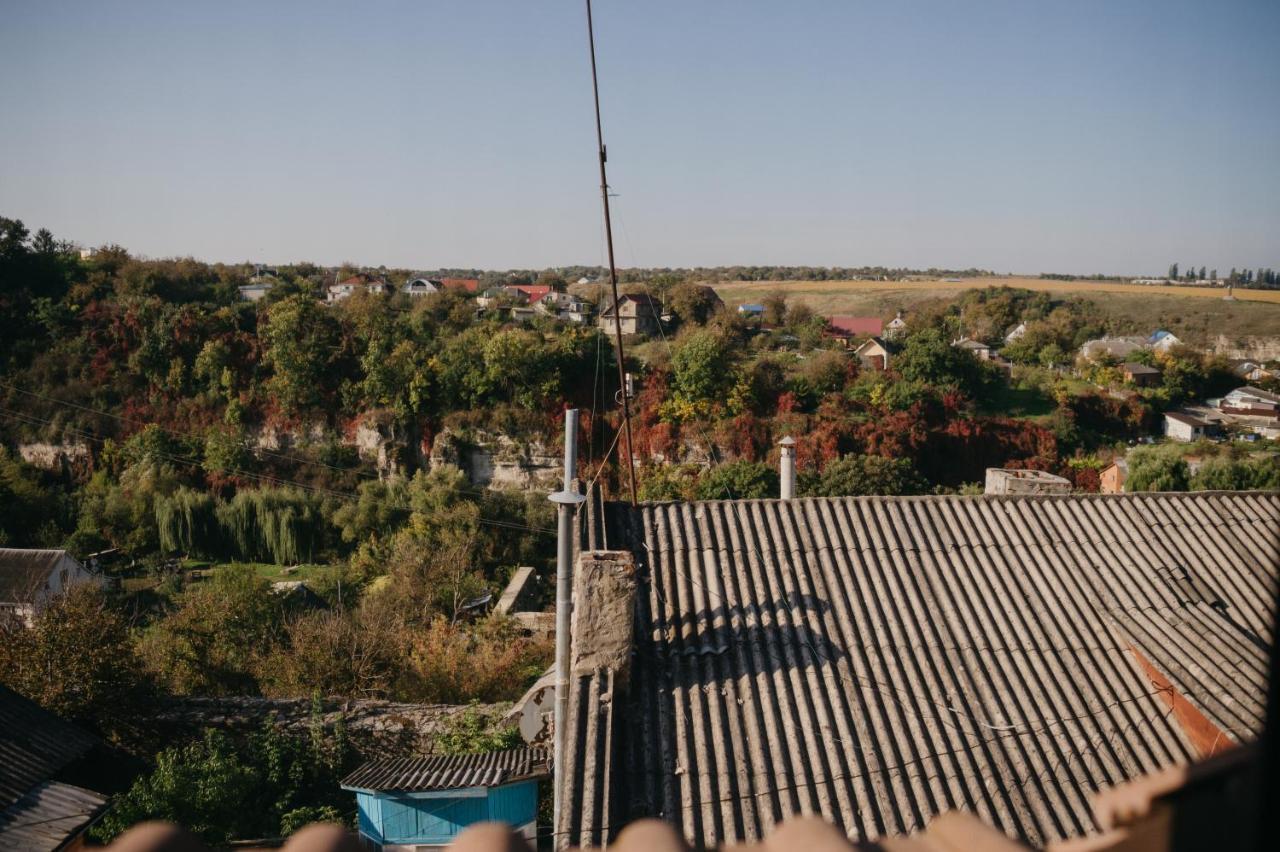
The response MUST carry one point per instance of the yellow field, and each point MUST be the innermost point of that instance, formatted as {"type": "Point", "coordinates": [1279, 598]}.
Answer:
{"type": "Point", "coordinates": [1196, 314]}
{"type": "Point", "coordinates": [935, 287]}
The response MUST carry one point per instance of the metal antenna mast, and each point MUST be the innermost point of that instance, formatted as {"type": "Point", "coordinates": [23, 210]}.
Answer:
{"type": "Point", "coordinates": [613, 271]}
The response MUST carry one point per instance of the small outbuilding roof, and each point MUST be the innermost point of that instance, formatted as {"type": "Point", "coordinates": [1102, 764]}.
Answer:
{"type": "Point", "coordinates": [857, 325]}
{"type": "Point", "coordinates": [1186, 419]}
{"type": "Point", "coordinates": [47, 816]}
{"type": "Point", "coordinates": [450, 772]}
{"type": "Point", "coordinates": [1139, 369]}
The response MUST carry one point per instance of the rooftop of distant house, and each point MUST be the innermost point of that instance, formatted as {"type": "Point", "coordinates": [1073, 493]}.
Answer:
{"type": "Point", "coordinates": [851, 325]}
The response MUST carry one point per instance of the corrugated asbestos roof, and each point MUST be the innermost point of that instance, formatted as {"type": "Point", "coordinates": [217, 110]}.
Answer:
{"type": "Point", "coordinates": [24, 571]}
{"type": "Point", "coordinates": [34, 745]}
{"type": "Point", "coordinates": [881, 660]}
{"type": "Point", "coordinates": [449, 772]}
{"type": "Point", "coordinates": [49, 815]}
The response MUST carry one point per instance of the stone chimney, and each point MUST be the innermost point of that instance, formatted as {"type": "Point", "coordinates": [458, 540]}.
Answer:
{"type": "Point", "coordinates": [788, 472]}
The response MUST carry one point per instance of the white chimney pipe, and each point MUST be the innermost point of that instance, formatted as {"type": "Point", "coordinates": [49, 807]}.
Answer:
{"type": "Point", "coordinates": [788, 445]}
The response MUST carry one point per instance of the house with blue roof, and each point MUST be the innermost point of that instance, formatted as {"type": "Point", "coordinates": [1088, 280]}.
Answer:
{"type": "Point", "coordinates": [751, 310]}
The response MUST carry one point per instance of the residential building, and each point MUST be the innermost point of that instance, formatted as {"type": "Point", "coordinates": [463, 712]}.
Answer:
{"type": "Point", "coordinates": [895, 327]}
{"type": "Point", "coordinates": [496, 296]}
{"type": "Point", "coordinates": [1017, 481]}
{"type": "Point", "coordinates": [847, 328]}
{"type": "Point", "coordinates": [881, 660]}
{"type": "Point", "coordinates": [565, 307]}
{"type": "Point", "coordinates": [1016, 332]}
{"type": "Point", "coordinates": [360, 282]}
{"type": "Point", "coordinates": [30, 578]}
{"type": "Point", "coordinates": [637, 313]}
{"type": "Point", "coordinates": [1140, 375]}
{"type": "Point", "coordinates": [463, 285]}
{"type": "Point", "coordinates": [532, 292]}
{"type": "Point", "coordinates": [412, 803]}
{"type": "Point", "coordinates": [255, 290]}
{"type": "Point", "coordinates": [1118, 348]}
{"type": "Point", "coordinates": [1249, 401]}
{"type": "Point", "coordinates": [976, 348]}
{"type": "Point", "coordinates": [416, 287]}
{"type": "Point", "coordinates": [1163, 341]}
{"type": "Point", "coordinates": [39, 810]}
{"type": "Point", "coordinates": [873, 354]}
{"type": "Point", "coordinates": [1113, 477]}
{"type": "Point", "coordinates": [1181, 426]}
{"type": "Point", "coordinates": [751, 310]}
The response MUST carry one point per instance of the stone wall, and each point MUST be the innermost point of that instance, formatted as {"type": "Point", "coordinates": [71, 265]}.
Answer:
{"type": "Point", "coordinates": [373, 726]}
{"type": "Point", "coordinates": [60, 458]}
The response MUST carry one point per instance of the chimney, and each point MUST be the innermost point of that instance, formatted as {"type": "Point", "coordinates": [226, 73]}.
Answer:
{"type": "Point", "coordinates": [788, 445]}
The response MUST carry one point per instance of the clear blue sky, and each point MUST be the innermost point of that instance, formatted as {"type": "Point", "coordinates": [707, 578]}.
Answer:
{"type": "Point", "coordinates": [1021, 136]}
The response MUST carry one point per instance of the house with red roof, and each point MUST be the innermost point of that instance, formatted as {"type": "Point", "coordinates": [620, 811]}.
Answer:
{"type": "Point", "coordinates": [846, 328]}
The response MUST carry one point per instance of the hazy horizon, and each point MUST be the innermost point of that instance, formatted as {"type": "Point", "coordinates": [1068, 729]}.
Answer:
{"type": "Point", "coordinates": [1025, 138]}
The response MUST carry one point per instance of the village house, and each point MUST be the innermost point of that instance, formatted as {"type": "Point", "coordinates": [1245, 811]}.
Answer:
{"type": "Point", "coordinates": [502, 295]}
{"type": "Point", "coordinates": [565, 307]}
{"type": "Point", "coordinates": [1117, 348]}
{"type": "Point", "coordinates": [873, 354]}
{"type": "Point", "coordinates": [751, 310]}
{"type": "Point", "coordinates": [255, 290]}
{"type": "Point", "coordinates": [846, 329]}
{"type": "Point", "coordinates": [39, 810]}
{"type": "Point", "coordinates": [1140, 375]}
{"type": "Point", "coordinates": [1249, 401]}
{"type": "Point", "coordinates": [880, 660]}
{"type": "Point", "coordinates": [468, 286]}
{"type": "Point", "coordinates": [1252, 371]}
{"type": "Point", "coordinates": [637, 313]}
{"type": "Point", "coordinates": [1114, 476]}
{"type": "Point", "coordinates": [1182, 426]}
{"type": "Point", "coordinates": [416, 803]}
{"type": "Point", "coordinates": [360, 282]}
{"type": "Point", "coordinates": [30, 578]}
{"type": "Point", "coordinates": [1163, 341]}
{"type": "Point", "coordinates": [416, 287]}
{"type": "Point", "coordinates": [895, 328]}
{"type": "Point", "coordinates": [976, 348]}
{"type": "Point", "coordinates": [1016, 333]}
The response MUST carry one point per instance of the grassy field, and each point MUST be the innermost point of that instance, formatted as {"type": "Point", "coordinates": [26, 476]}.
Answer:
{"type": "Point", "coordinates": [1196, 314]}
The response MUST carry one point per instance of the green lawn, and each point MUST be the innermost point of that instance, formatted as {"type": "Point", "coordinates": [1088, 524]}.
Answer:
{"type": "Point", "coordinates": [1011, 401]}
{"type": "Point", "coordinates": [265, 570]}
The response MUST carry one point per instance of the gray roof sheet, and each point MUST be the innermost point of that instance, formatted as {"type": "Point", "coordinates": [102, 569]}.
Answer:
{"type": "Point", "coordinates": [34, 745]}
{"type": "Point", "coordinates": [48, 816]}
{"type": "Point", "coordinates": [449, 772]}
{"type": "Point", "coordinates": [881, 660]}
{"type": "Point", "coordinates": [23, 571]}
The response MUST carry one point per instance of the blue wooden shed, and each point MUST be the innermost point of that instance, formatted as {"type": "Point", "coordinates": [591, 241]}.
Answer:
{"type": "Point", "coordinates": [408, 803]}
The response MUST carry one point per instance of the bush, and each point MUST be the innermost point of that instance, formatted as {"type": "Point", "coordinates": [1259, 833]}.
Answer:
{"type": "Point", "coordinates": [868, 475]}
{"type": "Point", "coordinates": [738, 480]}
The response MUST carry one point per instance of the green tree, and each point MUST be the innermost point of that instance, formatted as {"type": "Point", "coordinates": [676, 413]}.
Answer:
{"type": "Point", "coordinates": [1153, 470]}
{"type": "Point", "coordinates": [220, 632]}
{"type": "Point", "coordinates": [300, 337]}
{"type": "Point", "coordinates": [738, 480]}
{"type": "Point", "coordinates": [861, 475]}
{"type": "Point", "coordinates": [77, 661]}
{"type": "Point", "coordinates": [701, 368]}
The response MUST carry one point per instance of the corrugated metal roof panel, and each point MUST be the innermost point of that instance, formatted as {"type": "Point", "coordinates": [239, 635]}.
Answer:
{"type": "Point", "coordinates": [449, 772]}
{"type": "Point", "coordinates": [878, 661]}
{"type": "Point", "coordinates": [48, 816]}
{"type": "Point", "coordinates": [34, 745]}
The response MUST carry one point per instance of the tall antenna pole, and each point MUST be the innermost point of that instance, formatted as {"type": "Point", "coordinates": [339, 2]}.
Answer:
{"type": "Point", "coordinates": [613, 271]}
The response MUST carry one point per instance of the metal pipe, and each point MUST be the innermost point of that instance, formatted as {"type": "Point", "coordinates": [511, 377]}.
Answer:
{"type": "Point", "coordinates": [567, 501]}
{"type": "Point", "coordinates": [788, 473]}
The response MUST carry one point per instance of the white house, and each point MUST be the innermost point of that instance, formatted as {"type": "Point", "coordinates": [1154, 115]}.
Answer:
{"type": "Point", "coordinates": [895, 327]}
{"type": "Point", "coordinates": [1251, 402]}
{"type": "Point", "coordinates": [348, 287]}
{"type": "Point", "coordinates": [1016, 332]}
{"type": "Point", "coordinates": [29, 578]}
{"type": "Point", "coordinates": [421, 287]}
{"type": "Point", "coordinates": [1163, 341]}
{"type": "Point", "coordinates": [565, 307]}
{"type": "Point", "coordinates": [1185, 427]}
{"type": "Point", "coordinates": [873, 354]}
